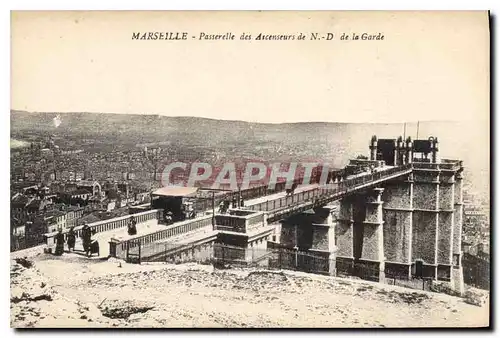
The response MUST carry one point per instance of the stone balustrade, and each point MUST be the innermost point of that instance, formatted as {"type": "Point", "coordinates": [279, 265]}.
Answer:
{"type": "Point", "coordinates": [239, 220]}
{"type": "Point", "coordinates": [106, 225]}
{"type": "Point", "coordinates": [120, 248]}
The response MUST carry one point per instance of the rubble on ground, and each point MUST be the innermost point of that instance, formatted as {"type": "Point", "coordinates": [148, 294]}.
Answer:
{"type": "Point", "coordinates": [35, 303]}
{"type": "Point", "coordinates": [116, 294]}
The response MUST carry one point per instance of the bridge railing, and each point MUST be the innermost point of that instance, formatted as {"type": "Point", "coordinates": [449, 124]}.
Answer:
{"type": "Point", "coordinates": [327, 190]}
{"type": "Point", "coordinates": [451, 164]}
{"type": "Point", "coordinates": [236, 223]}
{"type": "Point", "coordinates": [443, 165]}
{"type": "Point", "coordinates": [120, 248]}
{"type": "Point", "coordinates": [106, 225]}
{"type": "Point", "coordinates": [426, 165]}
{"type": "Point", "coordinates": [246, 194]}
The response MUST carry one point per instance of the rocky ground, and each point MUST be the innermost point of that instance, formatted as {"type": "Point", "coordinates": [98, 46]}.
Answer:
{"type": "Point", "coordinates": [72, 291]}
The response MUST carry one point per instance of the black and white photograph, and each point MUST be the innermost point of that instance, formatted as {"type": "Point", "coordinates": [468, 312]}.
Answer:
{"type": "Point", "coordinates": [250, 169]}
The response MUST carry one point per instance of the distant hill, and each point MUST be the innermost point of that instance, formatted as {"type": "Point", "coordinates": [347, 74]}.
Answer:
{"type": "Point", "coordinates": [333, 142]}
{"type": "Point", "coordinates": [164, 126]}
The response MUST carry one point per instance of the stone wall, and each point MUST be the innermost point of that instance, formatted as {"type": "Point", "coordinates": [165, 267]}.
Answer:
{"type": "Point", "coordinates": [424, 176]}
{"type": "Point", "coordinates": [226, 253]}
{"type": "Point", "coordinates": [424, 196]}
{"type": "Point", "coordinates": [302, 239]}
{"type": "Point", "coordinates": [444, 273]}
{"type": "Point", "coordinates": [320, 238]}
{"type": "Point", "coordinates": [458, 190]}
{"type": "Point", "coordinates": [446, 198]}
{"type": "Point", "coordinates": [345, 212]}
{"type": "Point", "coordinates": [257, 249]}
{"type": "Point", "coordinates": [458, 216]}
{"type": "Point", "coordinates": [370, 242]}
{"type": "Point", "coordinates": [372, 213]}
{"type": "Point", "coordinates": [397, 235]}
{"type": "Point", "coordinates": [232, 240]}
{"type": "Point", "coordinates": [457, 228]}
{"type": "Point", "coordinates": [304, 236]}
{"type": "Point", "coordinates": [444, 237]}
{"type": "Point", "coordinates": [397, 270]}
{"type": "Point", "coordinates": [200, 253]}
{"type": "Point", "coordinates": [344, 239]}
{"type": "Point", "coordinates": [396, 196]}
{"type": "Point", "coordinates": [359, 213]}
{"type": "Point", "coordinates": [423, 236]}
{"type": "Point", "coordinates": [287, 235]}
{"type": "Point", "coordinates": [231, 223]}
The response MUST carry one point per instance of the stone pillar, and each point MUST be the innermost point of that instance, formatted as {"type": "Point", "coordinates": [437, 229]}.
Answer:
{"type": "Point", "coordinates": [344, 231]}
{"type": "Point", "coordinates": [409, 150]}
{"type": "Point", "coordinates": [446, 224]}
{"type": "Point", "coordinates": [410, 237]}
{"type": "Point", "coordinates": [457, 277]}
{"type": "Point", "coordinates": [373, 148]}
{"type": "Point", "coordinates": [435, 151]}
{"type": "Point", "coordinates": [373, 232]}
{"type": "Point", "coordinates": [398, 225]}
{"type": "Point", "coordinates": [425, 230]}
{"type": "Point", "coordinates": [400, 150]}
{"type": "Point", "coordinates": [323, 235]}
{"type": "Point", "coordinates": [396, 153]}
{"type": "Point", "coordinates": [436, 246]}
{"type": "Point", "coordinates": [287, 234]}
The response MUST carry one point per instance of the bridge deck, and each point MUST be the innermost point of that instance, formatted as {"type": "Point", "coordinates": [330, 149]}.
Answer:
{"type": "Point", "coordinates": [302, 189]}
{"type": "Point", "coordinates": [121, 234]}
{"type": "Point", "coordinates": [280, 195]}
{"type": "Point", "coordinates": [175, 242]}
{"type": "Point", "coordinates": [308, 198]}
{"type": "Point", "coordinates": [276, 205]}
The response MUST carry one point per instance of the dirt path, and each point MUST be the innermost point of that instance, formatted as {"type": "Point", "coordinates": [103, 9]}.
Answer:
{"type": "Point", "coordinates": [191, 295]}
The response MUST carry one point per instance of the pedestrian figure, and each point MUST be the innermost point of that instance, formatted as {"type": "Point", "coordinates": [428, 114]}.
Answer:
{"type": "Point", "coordinates": [169, 218]}
{"type": "Point", "coordinates": [94, 247]}
{"type": "Point", "coordinates": [71, 239]}
{"type": "Point", "coordinates": [290, 191]}
{"type": "Point", "coordinates": [235, 203]}
{"type": "Point", "coordinates": [59, 243]}
{"type": "Point", "coordinates": [86, 237]}
{"type": "Point", "coordinates": [132, 226]}
{"type": "Point", "coordinates": [242, 203]}
{"type": "Point", "coordinates": [221, 208]}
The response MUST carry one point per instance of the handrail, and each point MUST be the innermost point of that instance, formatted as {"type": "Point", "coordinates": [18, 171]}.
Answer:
{"type": "Point", "coordinates": [120, 247]}
{"type": "Point", "coordinates": [329, 190]}
{"type": "Point", "coordinates": [109, 224]}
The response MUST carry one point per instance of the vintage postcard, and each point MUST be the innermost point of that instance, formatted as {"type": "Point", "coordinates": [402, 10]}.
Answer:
{"type": "Point", "coordinates": [251, 169]}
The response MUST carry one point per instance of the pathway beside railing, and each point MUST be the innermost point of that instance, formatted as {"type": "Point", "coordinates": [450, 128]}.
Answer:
{"type": "Point", "coordinates": [120, 248]}
{"type": "Point", "coordinates": [106, 225]}
{"type": "Point", "coordinates": [331, 190]}
{"type": "Point", "coordinates": [246, 194]}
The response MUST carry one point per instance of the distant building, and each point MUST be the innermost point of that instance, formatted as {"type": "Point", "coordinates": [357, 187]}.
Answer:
{"type": "Point", "coordinates": [55, 220]}
{"type": "Point", "coordinates": [73, 214]}
{"type": "Point", "coordinates": [91, 186]}
{"type": "Point", "coordinates": [19, 230]}
{"type": "Point", "coordinates": [79, 194]}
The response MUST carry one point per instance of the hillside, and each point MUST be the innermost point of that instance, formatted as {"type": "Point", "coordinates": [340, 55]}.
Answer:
{"type": "Point", "coordinates": [333, 143]}
{"type": "Point", "coordinates": [111, 294]}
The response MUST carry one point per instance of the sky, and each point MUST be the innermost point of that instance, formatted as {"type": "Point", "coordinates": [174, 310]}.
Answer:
{"type": "Point", "coordinates": [430, 66]}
